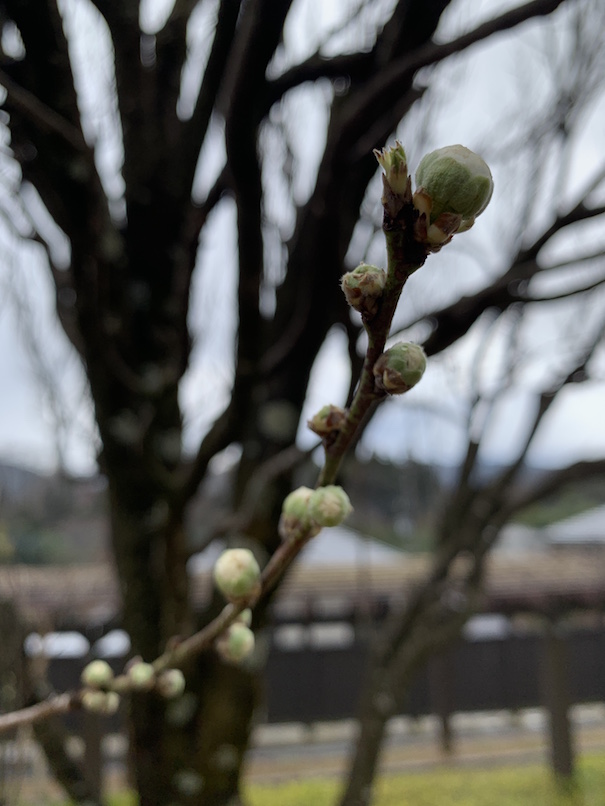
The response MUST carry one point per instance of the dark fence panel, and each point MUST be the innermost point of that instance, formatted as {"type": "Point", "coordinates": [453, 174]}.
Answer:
{"type": "Point", "coordinates": [306, 684]}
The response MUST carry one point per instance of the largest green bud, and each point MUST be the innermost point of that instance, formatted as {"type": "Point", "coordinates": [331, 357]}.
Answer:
{"type": "Point", "coordinates": [457, 181]}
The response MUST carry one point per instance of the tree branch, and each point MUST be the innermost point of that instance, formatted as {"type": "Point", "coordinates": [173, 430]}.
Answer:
{"type": "Point", "coordinates": [40, 114]}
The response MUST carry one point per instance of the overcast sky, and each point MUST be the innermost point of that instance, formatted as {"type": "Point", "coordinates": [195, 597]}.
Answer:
{"type": "Point", "coordinates": [483, 99]}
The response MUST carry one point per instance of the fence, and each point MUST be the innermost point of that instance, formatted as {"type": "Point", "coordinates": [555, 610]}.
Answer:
{"type": "Point", "coordinates": [315, 672]}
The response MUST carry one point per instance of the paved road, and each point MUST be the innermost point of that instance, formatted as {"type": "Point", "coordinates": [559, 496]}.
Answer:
{"type": "Point", "coordinates": [282, 753]}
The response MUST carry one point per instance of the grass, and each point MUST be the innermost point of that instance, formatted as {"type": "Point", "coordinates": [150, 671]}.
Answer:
{"type": "Point", "coordinates": [507, 786]}
{"type": "Point", "coordinates": [530, 785]}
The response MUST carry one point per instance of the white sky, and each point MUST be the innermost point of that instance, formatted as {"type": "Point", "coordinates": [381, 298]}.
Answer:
{"type": "Point", "coordinates": [496, 100]}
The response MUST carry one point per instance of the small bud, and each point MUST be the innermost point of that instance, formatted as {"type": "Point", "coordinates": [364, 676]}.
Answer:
{"type": "Point", "coordinates": [97, 674]}
{"type": "Point", "coordinates": [171, 684]}
{"type": "Point", "coordinates": [393, 162]}
{"type": "Point", "coordinates": [327, 420]}
{"type": "Point", "coordinates": [329, 506]}
{"type": "Point", "coordinates": [245, 617]}
{"type": "Point", "coordinates": [236, 643]}
{"type": "Point", "coordinates": [363, 288]}
{"type": "Point", "coordinates": [101, 702]}
{"type": "Point", "coordinates": [400, 368]}
{"type": "Point", "coordinates": [295, 522]}
{"type": "Point", "coordinates": [237, 574]}
{"type": "Point", "coordinates": [141, 676]}
{"type": "Point", "coordinates": [456, 180]}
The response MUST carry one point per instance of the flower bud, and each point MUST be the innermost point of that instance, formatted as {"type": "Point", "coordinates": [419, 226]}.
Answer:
{"type": "Point", "coordinates": [456, 181]}
{"type": "Point", "coordinates": [97, 674]}
{"type": "Point", "coordinates": [329, 506]}
{"type": "Point", "coordinates": [236, 643]}
{"type": "Point", "coordinates": [245, 617]}
{"type": "Point", "coordinates": [393, 162]}
{"type": "Point", "coordinates": [237, 574]}
{"type": "Point", "coordinates": [101, 702]}
{"type": "Point", "coordinates": [294, 521]}
{"type": "Point", "coordinates": [363, 288]}
{"type": "Point", "coordinates": [400, 368]}
{"type": "Point", "coordinates": [327, 420]}
{"type": "Point", "coordinates": [141, 676]}
{"type": "Point", "coordinates": [171, 684]}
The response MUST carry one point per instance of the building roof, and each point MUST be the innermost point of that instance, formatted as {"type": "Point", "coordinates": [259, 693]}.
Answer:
{"type": "Point", "coordinates": [569, 578]}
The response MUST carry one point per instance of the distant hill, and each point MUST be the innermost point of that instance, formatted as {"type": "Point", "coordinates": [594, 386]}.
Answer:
{"type": "Point", "coordinates": [51, 519]}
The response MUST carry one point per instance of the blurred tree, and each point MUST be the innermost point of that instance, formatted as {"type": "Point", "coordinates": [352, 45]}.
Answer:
{"type": "Point", "coordinates": [123, 293]}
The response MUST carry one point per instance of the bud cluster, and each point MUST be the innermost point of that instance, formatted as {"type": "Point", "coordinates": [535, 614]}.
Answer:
{"type": "Point", "coordinates": [306, 511]}
{"type": "Point", "coordinates": [101, 687]}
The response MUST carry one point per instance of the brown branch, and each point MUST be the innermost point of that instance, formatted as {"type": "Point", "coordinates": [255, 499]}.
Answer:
{"type": "Point", "coordinates": [40, 114]}
{"type": "Point", "coordinates": [566, 294]}
{"type": "Point", "coordinates": [55, 705]}
{"type": "Point", "coordinates": [223, 432]}
{"type": "Point", "coordinates": [193, 131]}
{"type": "Point", "coordinates": [250, 56]}
{"type": "Point", "coordinates": [387, 83]}
{"type": "Point", "coordinates": [551, 484]}
{"type": "Point", "coordinates": [455, 320]}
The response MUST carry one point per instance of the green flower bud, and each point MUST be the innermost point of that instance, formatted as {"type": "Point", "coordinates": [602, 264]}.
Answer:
{"type": "Point", "coordinates": [236, 643]}
{"type": "Point", "coordinates": [97, 674]}
{"type": "Point", "coordinates": [363, 288]}
{"type": "Point", "coordinates": [295, 522]}
{"type": "Point", "coordinates": [245, 617]}
{"type": "Point", "coordinates": [141, 676]}
{"type": "Point", "coordinates": [327, 420]}
{"type": "Point", "coordinates": [456, 181]}
{"type": "Point", "coordinates": [329, 506]}
{"type": "Point", "coordinates": [237, 574]}
{"type": "Point", "coordinates": [101, 702]}
{"type": "Point", "coordinates": [171, 684]}
{"type": "Point", "coordinates": [400, 368]}
{"type": "Point", "coordinates": [393, 162]}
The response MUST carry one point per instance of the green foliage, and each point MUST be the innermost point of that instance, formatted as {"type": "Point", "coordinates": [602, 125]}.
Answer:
{"type": "Point", "coordinates": [508, 786]}
{"type": "Point", "coordinates": [567, 502]}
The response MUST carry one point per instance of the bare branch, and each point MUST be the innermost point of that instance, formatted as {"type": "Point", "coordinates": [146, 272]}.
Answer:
{"type": "Point", "coordinates": [55, 705]}
{"type": "Point", "coordinates": [40, 114]}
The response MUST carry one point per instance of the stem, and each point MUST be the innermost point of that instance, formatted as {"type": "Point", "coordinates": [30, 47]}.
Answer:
{"type": "Point", "coordinates": [398, 271]}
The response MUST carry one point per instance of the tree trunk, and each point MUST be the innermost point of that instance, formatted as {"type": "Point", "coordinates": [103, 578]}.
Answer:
{"type": "Point", "coordinates": [432, 620]}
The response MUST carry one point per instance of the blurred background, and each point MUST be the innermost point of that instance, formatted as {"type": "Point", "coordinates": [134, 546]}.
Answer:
{"type": "Point", "coordinates": [496, 460]}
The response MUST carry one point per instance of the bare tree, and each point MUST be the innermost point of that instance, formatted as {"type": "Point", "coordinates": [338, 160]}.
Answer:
{"type": "Point", "coordinates": [123, 298]}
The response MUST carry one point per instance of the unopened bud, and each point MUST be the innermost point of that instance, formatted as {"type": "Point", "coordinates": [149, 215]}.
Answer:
{"type": "Point", "coordinates": [329, 506]}
{"type": "Point", "coordinates": [141, 676]}
{"type": "Point", "coordinates": [101, 702]}
{"type": "Point", "coordinates": [245, 617]}
{"type": "Point", "coordinates": [171, 684]}
{"type": "Point", "coordinates": [400, 368]}
{"type": "Point", "coordinates": [295, 521]}
{"type": "Point", "coordinates": [393, 162]}
{"type": "Point", "coordinates": [237, 574]}
{"type": "Point", "coordinates": [456, 181]}
{"type": "Point", "coordinates": [327, 420]}
{"type": "Point", "coordinates": [363, 288]}
{"type": "Point", "coordinates": [236, 643]}
{"type": "Point", "coordinates": [97, 674]}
